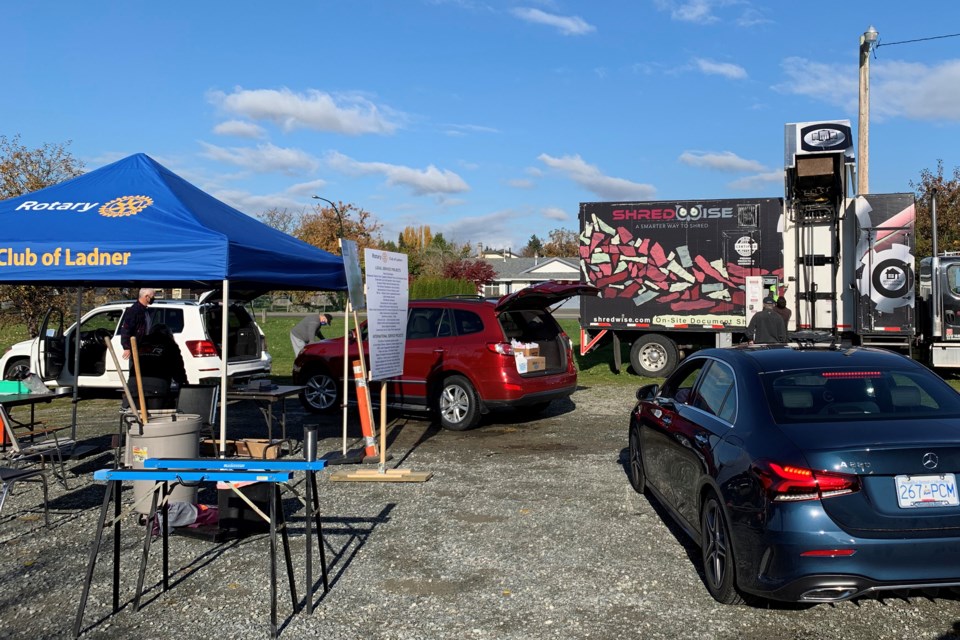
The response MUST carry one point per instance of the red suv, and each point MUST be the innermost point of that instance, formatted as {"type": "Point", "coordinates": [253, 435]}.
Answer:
{"type": "Point", "coordinates": [460, 358]}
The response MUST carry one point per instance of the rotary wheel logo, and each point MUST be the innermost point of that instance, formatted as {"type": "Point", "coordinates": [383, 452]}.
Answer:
{"type": "Point", "coordinates": [125, 206]}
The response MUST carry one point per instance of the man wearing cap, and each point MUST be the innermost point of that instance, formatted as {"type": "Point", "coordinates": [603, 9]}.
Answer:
{"type": "Point", "coordinates": [766, 326]}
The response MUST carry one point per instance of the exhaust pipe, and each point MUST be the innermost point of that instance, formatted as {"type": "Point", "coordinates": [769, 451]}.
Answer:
{"type": "Point", "coordinates": [829, 594]}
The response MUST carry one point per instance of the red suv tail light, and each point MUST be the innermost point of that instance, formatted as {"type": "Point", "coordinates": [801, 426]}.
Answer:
{"type": "Point", "coordinates": [202, 349]}
{"type": "Point", "coordinates": [786, 483]}
{"type": "Point", "coordinates": [503, 348]}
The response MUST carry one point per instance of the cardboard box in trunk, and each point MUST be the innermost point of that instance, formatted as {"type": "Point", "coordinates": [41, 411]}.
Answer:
{"type": "Point", "coordinates": [529, 365]}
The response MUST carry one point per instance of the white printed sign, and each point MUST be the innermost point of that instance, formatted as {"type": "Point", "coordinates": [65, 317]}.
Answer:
{"type": "Point", "coordinates": [388, 291]}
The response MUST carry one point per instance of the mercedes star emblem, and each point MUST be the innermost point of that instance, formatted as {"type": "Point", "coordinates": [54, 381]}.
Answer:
{"type": "Point", "coordinates": [930, 461]}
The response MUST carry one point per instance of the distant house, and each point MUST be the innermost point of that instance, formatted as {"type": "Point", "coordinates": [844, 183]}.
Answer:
{"type": "Point", "coordinates": [514, 274]}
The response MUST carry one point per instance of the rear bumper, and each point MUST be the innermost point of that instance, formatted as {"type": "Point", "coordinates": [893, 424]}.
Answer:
{"type": "Point", "coordinates": [532, 397]}
{"type": "Point", "coordinates": [777, 569]}
{"type": "Point", "coordinates": [836, 588]}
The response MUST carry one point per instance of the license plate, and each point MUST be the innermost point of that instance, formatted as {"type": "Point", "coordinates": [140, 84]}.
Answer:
{"type": "Point", "coordinates": [927, 491]}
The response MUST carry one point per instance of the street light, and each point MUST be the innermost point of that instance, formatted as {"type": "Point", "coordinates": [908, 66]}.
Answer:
{"type": "Point", "coordinates": [867, 42]}
{"type": "Point", "coordinates": [336, 210]}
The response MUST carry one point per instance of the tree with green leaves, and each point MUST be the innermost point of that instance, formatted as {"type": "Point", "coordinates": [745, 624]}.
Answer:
{"type": "Point", "coordinates": [948, 210]}
{"type": "Point", "coordinates": [24, 170]}
{"type": "Point", "coordinates": [534, 247]}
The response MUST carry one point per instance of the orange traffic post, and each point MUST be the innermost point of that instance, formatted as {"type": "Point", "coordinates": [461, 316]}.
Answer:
{"type": "Point", "coordinates": [366, 411]}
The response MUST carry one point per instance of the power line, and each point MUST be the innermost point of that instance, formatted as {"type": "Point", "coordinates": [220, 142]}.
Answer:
{"type": "Point", "coordinates": [889, 44]}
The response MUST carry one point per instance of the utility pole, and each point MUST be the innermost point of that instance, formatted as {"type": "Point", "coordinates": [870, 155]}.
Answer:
{"type": "Point", "coordinates": [867, 40]}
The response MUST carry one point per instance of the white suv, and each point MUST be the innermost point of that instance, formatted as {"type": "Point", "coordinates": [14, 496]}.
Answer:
{"type": "Point", "coordinates": [196, 327]}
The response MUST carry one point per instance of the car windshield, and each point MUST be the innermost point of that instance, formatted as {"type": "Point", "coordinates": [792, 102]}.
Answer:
{"type": "Point", "coordinates": [854, 394]}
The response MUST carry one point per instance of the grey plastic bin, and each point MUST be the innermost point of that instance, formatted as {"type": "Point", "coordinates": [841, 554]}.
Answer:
{"type": "Point", "coordinates": [167, 435]}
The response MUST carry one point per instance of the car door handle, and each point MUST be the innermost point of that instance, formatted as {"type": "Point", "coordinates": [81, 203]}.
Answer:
{"type": "Point", "coordinates": [702, 439]}
{"type": "Point", "coordinates": [439, 351]}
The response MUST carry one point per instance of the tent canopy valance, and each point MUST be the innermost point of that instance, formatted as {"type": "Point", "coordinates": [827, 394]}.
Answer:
{"type": "Point", "coordinates": [135, 223]}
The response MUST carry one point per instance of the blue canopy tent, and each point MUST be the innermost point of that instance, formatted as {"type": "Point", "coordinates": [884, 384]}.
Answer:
{"type": "Point", "coordinates": [135, 223]}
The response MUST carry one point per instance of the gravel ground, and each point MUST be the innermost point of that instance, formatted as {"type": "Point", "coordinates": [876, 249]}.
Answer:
{"type": "Point", "coordinates": [527, 529]}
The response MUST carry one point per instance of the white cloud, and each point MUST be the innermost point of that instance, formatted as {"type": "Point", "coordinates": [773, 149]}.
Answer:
{"type": "Point", "coordinates": [759, 181]}
{"type": "Point", "coordinates": [722, 161]}
{"type": "Point", "coordinates": [252, 204]}
{"type": "Point", "coordinates": [914, 91]}
{"type": "Point", "coordinates": [497, 229]}
{"type": "Point", "coordinates": [317, 110]}
{"type": "Point", "coordinates": [265, 158]}
{"type": "Point", "coordinates": [555, 213]}
{"type": "Point", "coordinates": [698, 11]}
{"type": "Point", "coordinates": [567, 25]}
{"type": "Point", "coordinates": [307, 188]}
{"type": "Point", "coordinates": [521, 183]}
{"type": "Point", "coordinates": [752, 17]}
{"type": "Point", "coordinates": [590, 178]}
{"type": "Point", "coordinates": [421, 181]}
{"type": "Point", "coordinates": [240, 129]}
{"type": "Point", "coordinates": [466, 129]}
{"type": "Point", "coordinates": [835, 85]}
{"type": "Point", "coordinates": [725, 69]}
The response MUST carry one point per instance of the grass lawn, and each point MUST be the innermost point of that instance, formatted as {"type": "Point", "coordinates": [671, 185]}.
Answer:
{"type": "Point", "coordinates": [594, 367]}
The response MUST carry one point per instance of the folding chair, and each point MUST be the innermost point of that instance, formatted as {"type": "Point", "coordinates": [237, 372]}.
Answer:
{"type": "Point", "coordinates": [201, 400]}
{"type": "Point", "coordinates": [25, 449]}
{"type": "Point", "coordinates": [9, 477]}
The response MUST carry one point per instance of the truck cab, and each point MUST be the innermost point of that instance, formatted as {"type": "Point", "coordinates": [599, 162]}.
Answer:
{"type": "Point", "coordinates": [938, 297]}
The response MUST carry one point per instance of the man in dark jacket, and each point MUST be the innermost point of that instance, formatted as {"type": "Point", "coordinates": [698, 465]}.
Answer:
{"type": "Point", "coordinates": [161, 364]}
{"type": "Point", "coordinates": [136, 321]}
{"type": "Point", "coordinates": [766, 326]}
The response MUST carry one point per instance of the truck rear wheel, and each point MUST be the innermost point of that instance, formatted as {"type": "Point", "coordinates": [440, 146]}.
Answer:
{"type": "Point", "coordinates": [654, 356]}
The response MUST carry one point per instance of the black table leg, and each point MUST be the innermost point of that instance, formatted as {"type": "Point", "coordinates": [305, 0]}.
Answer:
{"type": "Point", "coordinates": [165, 532]}
{"type": "Point", "coordinates": [147, 539]}
{"type": "Point", "coordinates": [117, 491]}
{"type": "Point", "coordinates": [281, 520]}
{"type": "Point", "coordinates": [273, 566]}
{"type": "Point", "coordinates": [316, 514]}
{"type": "Point", "coordinates": [308, 524]}
{"type": "Point", "coordinates": [92, 562]}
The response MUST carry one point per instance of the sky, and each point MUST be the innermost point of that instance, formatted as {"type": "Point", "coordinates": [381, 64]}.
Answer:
{"type": "Point", "coordinates": [488, 121]}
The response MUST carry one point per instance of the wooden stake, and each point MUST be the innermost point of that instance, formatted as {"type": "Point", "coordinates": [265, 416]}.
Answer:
{"type": "Point", "coordinates": [116, 363]}
{"type": "Point", "coordinates": [135, 358]}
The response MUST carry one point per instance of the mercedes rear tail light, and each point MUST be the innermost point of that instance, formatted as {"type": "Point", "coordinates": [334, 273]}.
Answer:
{"type": "Point", "coordinates": [202, 349]}
{"type": "Point", "coordinates": [788, 483]}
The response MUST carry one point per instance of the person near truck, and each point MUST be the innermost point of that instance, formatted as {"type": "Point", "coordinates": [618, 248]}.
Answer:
{"type": "Point", "coordinates": [782, 310]}
{"type": "Point", "coordinates": [766, 326]}
{"type": "Point", "coordinates": [308, 329]}
{"type": "Point", "coordinates": [136, 320]}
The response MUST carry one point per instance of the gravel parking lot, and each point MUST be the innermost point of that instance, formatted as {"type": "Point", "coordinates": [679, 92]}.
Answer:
{"type": "Point", "coordinates": [527, 529]}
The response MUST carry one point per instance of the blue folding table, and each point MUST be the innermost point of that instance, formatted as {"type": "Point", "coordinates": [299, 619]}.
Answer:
{"type": "Point", "coordinates": [114, 478]}
{"type": "Point", "coordinates": [309, 467]}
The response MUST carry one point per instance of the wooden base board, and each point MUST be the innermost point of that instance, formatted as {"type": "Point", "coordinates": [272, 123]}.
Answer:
{"type": "Point", "coordinates": [375, 475]}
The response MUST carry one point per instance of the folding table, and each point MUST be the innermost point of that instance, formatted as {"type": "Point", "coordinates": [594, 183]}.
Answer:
{"type": "Point", "coordinates": [309, 467]}
{"type": "Point", "coordinates": [114, 478]}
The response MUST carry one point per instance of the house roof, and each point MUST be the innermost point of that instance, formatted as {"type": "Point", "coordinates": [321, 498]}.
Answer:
{"type": "Point", "coordinates": [536, 268]}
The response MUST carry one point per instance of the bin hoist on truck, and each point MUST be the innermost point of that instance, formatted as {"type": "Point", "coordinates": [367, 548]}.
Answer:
{"type": "Point", "coordinates": [684, 275]}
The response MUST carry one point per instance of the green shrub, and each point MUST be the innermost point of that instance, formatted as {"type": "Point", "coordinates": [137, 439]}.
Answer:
{"type": "Point", "coordinates": [423, 288]}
